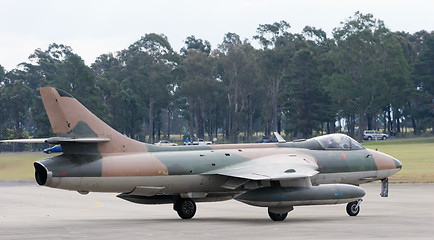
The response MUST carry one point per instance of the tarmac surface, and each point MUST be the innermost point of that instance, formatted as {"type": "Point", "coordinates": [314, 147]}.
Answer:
{"type": "Point", "coordinates": [28, 211]}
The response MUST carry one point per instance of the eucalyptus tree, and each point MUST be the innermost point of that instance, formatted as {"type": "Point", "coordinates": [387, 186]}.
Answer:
{"type": "Point", "coordinates": [148, 66]}
{"type": "Point", "coordinates": [15, 105]}
{"type": "Point", "coordinates": [359, 82]}
{"type": "Point", "coordinates": [417, 107]}
{"type": "Point", "coordinates": [305, 102]}
{"type": "Point", "coordinates": [396, 73]}
{"type": "Point", "coordinates": [198, 44]}
{"type": "Point", "coordinates": [199, 88]}
{"type": "Point", "coordinates": [2, 75]}
{"type": "Point", "coordinates": [237, 71]}
{"type": "Point", "coordinates": [126, 113]}
{"type": "Point", "coordinates": [423, 77]}
{"type": "Point", "coordinates": [275, 60]}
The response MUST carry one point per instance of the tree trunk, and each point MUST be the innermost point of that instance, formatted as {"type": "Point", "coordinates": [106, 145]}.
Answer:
{"type": "Point", "coordinates": [200, 123]}
{"type": "Point", "coordinates": [362, 125]}
{"type": "Point", "coordinates": [151, 121]}
{"type": "Point", "coordinates": [191, 125]}
{"type": "Point", "coordinates": [169, 115]}
{"type": "Point", "coordinates": [351, 125]}
{"type": "Point", "coordinates": [389, 120]}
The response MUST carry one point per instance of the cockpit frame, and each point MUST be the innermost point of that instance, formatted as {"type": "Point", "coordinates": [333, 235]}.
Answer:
{"type": "Point", "coordinates": [338, 141]}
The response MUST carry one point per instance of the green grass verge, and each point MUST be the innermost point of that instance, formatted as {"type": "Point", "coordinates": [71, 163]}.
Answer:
{"type": "Point", "coordinates": [417, 157]}
{"type": "Point", "coordinates": [18, 166]}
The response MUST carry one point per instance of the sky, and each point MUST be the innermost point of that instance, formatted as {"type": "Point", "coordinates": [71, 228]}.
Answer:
{"type": "Point", "coordinates": [95, 27]}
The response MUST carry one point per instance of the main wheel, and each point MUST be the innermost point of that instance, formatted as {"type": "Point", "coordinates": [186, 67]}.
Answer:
{"type": "Point", "coordinates": [353, 208]}
{"type": "Point", "coordinates": [384, 138]}
{"type": "Point", "coordinates": [277, 216]}
{"type": "Point", "coordinates": [185, 207]}
{"type": "Point", "coordinates": [369, 138]}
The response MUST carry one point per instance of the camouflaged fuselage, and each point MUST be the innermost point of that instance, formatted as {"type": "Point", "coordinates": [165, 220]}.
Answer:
{"type": "Point", "coordinates": [185, 168]}
{"type": "Point", "coordinates": [98, 158]}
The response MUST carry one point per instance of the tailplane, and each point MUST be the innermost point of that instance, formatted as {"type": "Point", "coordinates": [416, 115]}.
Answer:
{"type": "Point", "coordinates": [75, 125]}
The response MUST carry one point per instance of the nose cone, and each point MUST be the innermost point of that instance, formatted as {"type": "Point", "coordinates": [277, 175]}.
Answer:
{"type": "Point", "coordinates": [384, 161]}
{"type": "Point", "coordinates": [397, 163]}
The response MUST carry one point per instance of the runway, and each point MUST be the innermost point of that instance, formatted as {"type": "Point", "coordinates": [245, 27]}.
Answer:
{"type": "Point", "coordinates": [28, 211]}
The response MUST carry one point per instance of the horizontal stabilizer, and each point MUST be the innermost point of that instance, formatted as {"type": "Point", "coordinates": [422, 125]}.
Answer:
{"type": "Point", "coordinates": [32, 140]}
{"type": "Point", "coordinates": [60, 140]}
{"type": "Point", "coordinates": [57, 140]}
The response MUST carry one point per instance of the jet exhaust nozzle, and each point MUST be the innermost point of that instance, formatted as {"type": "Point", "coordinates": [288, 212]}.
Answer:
{"type": "Point", "coordinates": [42, 175]}
{"type": "Point", "coordinates": [297, 196]}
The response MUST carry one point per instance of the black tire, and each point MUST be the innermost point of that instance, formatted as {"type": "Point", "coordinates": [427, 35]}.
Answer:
{"type": "Point", "coordinates": [353, 209]}
{"type": "Point", "coordinates": [277, 216]}
{"type": "Point", "coordinates": [49, 152]}
{"type": "Point", "coordinates": [384, 138]}
{"type": "Point", "coordinates": [185, 207]}
{"type": "Point", "coordinates": [369, 138]}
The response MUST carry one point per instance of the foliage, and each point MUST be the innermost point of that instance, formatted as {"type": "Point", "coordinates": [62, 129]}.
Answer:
{"type": "Point", "coordinates": [363, 77]}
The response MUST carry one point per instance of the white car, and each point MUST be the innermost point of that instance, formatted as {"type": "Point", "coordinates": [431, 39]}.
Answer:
{"type": "Point", "coordinates": [201, 141]}
{"type": "Point", "coordinates": [372, 134]}
{"type": "Point", "coordinates": [165, 143]}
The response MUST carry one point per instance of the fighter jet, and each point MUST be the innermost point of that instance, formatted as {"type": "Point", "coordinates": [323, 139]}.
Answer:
{"type": "Point", "coordinates": [322, 170]}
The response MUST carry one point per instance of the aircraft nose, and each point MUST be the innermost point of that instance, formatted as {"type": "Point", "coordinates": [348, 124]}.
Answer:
{"type": "Point", "coordinates": [397, 163]}
{"type": "Point", "coordinates": [384, 161]}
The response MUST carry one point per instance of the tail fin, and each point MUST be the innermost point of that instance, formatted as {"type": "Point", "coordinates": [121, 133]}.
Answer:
{"type": "Point", "coordinates": [73, 122]}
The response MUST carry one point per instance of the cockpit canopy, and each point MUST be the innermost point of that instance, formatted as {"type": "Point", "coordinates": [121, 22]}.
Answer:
{"type": "Point", "coordinates": [338, 141]}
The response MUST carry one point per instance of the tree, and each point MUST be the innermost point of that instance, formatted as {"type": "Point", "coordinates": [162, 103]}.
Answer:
{"type": "Point", "coordinates": [320, 46]}
{"type": "Point", "coordinates": [15, 105]}
{"type": "Point", "coordinates": [306, 102]}
{"type": "Point", "coordinates": [199, 89]}
{"type": "Point", "coordinates": [198, 44]}
{"type": "Point", "coordinates": [237, 70]}
{"type": "Point", "coordinates": [397, 77]}
{"type": "Point", "coordinates": [279, 47]}
{"type": "Point", "coordinates": [2, 75]}
{"type": "Point", "coordinates": [149, 65]}
{"type": "Point", "coordinates": [423, 76]}
{"type": "Point", "coordinates": [358, 83]}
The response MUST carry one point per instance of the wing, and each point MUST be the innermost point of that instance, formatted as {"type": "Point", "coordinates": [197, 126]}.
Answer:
{"type": "Point", "coordinates": [279, 167]}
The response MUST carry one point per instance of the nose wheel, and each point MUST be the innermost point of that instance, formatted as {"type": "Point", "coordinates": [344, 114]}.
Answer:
{"type": "Point", "coordinates": [185, 207]}
{"type": "Point", "coordinates": [353, 208]}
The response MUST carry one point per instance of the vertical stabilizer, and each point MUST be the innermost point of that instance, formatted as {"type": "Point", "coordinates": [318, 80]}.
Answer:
{"type": "Point", "coordinates": [70, 119]}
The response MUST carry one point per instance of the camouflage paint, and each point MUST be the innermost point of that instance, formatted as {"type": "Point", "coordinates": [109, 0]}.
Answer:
{"type": "Point", "coordinates": [121, 164]}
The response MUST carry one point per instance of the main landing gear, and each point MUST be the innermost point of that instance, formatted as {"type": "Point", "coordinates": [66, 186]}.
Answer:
{"type": "Point", "coordinates": [277, 216]}
{"type": "Point", "coordinates": [185, 207]}
{"type": "Point", "coordinates": [353, 208]}
{"type": "Point", "coordinates": [279, 213]}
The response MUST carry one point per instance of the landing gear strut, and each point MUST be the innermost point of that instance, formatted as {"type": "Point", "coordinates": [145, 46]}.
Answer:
{"type": "Point", "coordinates": [384, 187]}
{"type": "Point", "coordinates": [185, 207]}
{"type": "Point", "coordinates": [353, 208]}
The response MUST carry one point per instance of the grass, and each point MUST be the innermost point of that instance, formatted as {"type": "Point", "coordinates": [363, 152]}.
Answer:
{"type": "Point", "coordinates": [417, 157]}
{"type": "Point", "coordinates": [18, 166]}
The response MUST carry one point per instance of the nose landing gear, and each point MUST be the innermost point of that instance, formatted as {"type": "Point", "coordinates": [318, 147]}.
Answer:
{"type": "Point", "coordinates": [384, 187]}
